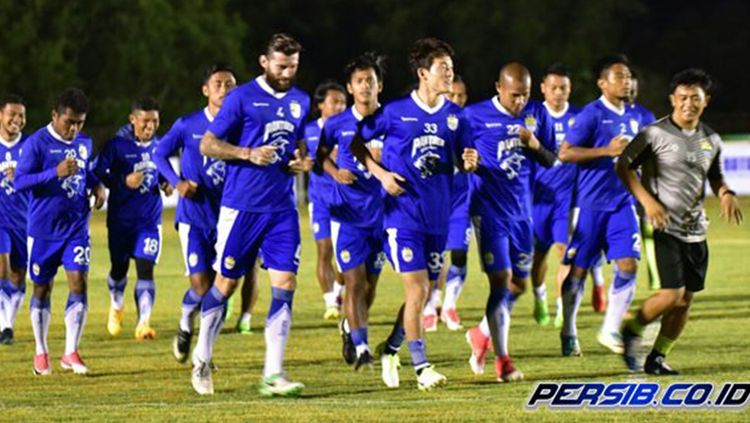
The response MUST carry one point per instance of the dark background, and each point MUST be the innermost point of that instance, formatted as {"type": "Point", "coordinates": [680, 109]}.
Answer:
{"type": "Point", "coordinates": [116, 50]}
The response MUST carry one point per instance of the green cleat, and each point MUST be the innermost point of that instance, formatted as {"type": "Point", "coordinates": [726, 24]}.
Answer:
{"type": "Point", "coordinates": [230, 308]}
{"type": "Point", "coordinates": [278, 386]}
{"type": "Point", "coordinates": [541, 312]}
{"type": "Point", "coordinates": [243, 327]}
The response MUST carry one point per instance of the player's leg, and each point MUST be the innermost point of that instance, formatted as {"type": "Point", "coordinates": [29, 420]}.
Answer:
{"type": "Point", "coordinates": [147, 252]}
{"type": "Point", "coordinates": [12, 284]}
{"type": "Point", "coordinates": [326, 275]}
{"type": "Point", "coordinates": [649, 251]}
{"type": "Point", "coordinates": [562, 272]}
{"type": "Point", "coordinates": [76, 259]}
{"type": "Point", "coordinates": [44, 258]}
{"type": "Point", "coordinates": [249, 297]}
{"type": "Point", "coordinates": [598, 294]}
{"type": "Point", "coordinates": [543, 223]}
{"type": "Point", "coordinates": [121, 244]}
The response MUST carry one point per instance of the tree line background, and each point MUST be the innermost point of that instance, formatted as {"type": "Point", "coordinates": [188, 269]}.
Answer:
{"type": "Point", "coordinates": [116, 50]}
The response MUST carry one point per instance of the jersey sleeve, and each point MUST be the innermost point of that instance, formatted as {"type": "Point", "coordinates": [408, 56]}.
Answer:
{"type": "Point", "coordinates": [375, 125]}
{"type": "Point", "coordinates": [168, 146]}
{"type": "Point", "coordinates": [327, 136]}
{"type": "Point", "coordinates": [638, 150]}
{"type": "Point", "coordinates": [546, 133]}
{"type": "Point", "coordinates": [581, 133]}
{"type": "Point", "coordinates": [464, 135]}
{"type": "Point", "coordinates": [29, 172]}
{"type": "Point", "coordinates": [300, 133]}
{"type": "Point", "coordinates": [229, 117]}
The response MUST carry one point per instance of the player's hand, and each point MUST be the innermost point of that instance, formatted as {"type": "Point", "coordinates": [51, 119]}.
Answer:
{"type": "Point", "coordinates": [656, 214]}
{"type": "Point", "coordinates": [168, 190]}
{"type": "Point", "coordinates": [134, 180]}
{"type": "Point", "coordinates": [730, 209]}
{"type": "Point", "coordinates": [470, 157]}
{"type": "Point", "coordinates": [345, 177]}
{"type": "Point", "coordinates": [617, 145]}
{"type": "Point", "coordinates": [299, 164]}
{"type": "Point", "coordinates": [10, 173]}
{"type": "Point", "coordinates": [66, 168]}
{"type": "Point", "coordinates": [187, 188]}
{"type": "Point", "coordinates": [263, 155]}
{"type": "Point", "coordinates": [528, 139]}
{"type": "Point", "coordinates": [99, 196]}
{"type": "Point", "coordinates": [390, 183]}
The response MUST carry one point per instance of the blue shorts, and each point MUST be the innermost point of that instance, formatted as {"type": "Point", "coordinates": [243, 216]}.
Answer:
{"type": "Point", "coordinates": [410, 251]}
{"type": "Point", "coordinates": [614, 232]}
{"type": "Point", "coordinates": [13, 243]}
{"type": "Point", "coordinates": [198, 248]}
{"type": "Point", "coordinates": [354, 246]}
{"type": "Point", "coordinates": [241, 236]}
{"type": "Point", "coordinates": [320, 220]}
{"type": "Point", "coordinates": [128, 242]}
{"type": "Point", "coordinates": [46, 255]}
{"type": "Point", "coordinates": [459, 224]}
{"type": "Point", "coordinates": [506, 245]}
{"type": "Point", "coordinates": [551, 225]}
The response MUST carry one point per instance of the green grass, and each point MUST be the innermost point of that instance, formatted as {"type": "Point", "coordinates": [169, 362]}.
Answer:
{"type": "Point", "coordinates": [132, 380]}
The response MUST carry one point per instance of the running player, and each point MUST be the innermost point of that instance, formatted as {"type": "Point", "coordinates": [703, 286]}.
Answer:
{"type": "Point", "coordinates": [56, 167]}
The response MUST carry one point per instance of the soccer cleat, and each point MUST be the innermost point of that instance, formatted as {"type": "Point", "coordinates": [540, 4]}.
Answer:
{"type": "Point", "coordinates": [599, 299]}
{"type": "Point", "coordinates": [449, 316]}
{"type": "Point", "coordinates": [611, 341]}
{"type": "Point", "coordinates": [630, 343]}
{"type": "Point", "coordinates": [144, 331]}
{"type": "Point", "coordinates": [347, 345]}
{"type": "Point", "coordinates": [332, 313]}
{"type": "Point", "coordinates": [479, 344]}
{"type": "Point", "coordinates": [73, 362]}
{"type": "Point", "coordinates": [541, 311]}
{"type": "Point", "coordinates": [429, 379]}
{"type": "Point", "coordinates": [505, 370]}
{"type": "Point", "coordinates": [570, 346]}
{"type": "Point", "coordinates": [201, 378]}
{"type": "Point", "coordinates": [430, 322]}
{"type": "Point", "coordinates": [390, 363]}
{"type": "Point", "coordinates": [243, 327]}
{"type": "Point", "coordinates": [656, 366]}
{"type": "Point", "coordinates": [114, 322]}
{"type": "Point", "coordinates": [279, 386]}
{"type": "Point", "coordinates": [6, 337]}
{"type": "Point", "coordinates": [41, 365]}
{"type": "Point", "coordinates": [364, 360]}
{"type": "Point", "coordinates": [181, 345]}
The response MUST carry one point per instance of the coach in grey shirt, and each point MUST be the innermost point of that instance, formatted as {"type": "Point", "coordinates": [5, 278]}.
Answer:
{"type": "Point", "coordinates": [676, 155]}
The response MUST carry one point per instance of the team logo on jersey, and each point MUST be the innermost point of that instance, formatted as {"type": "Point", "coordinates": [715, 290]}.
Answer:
{"type": "Point", "coordinates": [571, 121]}
{"type": "Point", "coordinates": [35, 268]}
{"type": "Point", "coordinates": [571, 253]}
{"type": "Point", "coordinates": [452, 122]}
{"type": "Point", "coordinates": [216, 171]}
{"type": "Point", "coordinates": [346, 257]}
{"type": "Point", "coordinates": [193, 259]}
{"type": "Point", "coordinates": [530, 123]}
{"type": "Point", "coordinates": [83, 152]}
{"type": "Point", "coordinates": [73, 185]}
{"type": "Point", "coordinates": [512, 165]}
{"type": "Point", "coordinates": [407, 254]}
{"type": "Point", "coordinates": [706, 145]}
{"type": "Point", "coordinates": [634, 126]}
{"type": "Point", "coordinates": [489, 259]}
{"type": "Point", "coordinates": [295, 109]}
{"type": "Point", "coordinates": [229, 262]}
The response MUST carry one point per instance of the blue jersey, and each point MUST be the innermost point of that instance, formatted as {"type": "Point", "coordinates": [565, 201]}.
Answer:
{"type": "Point", "coordinates": [184, 138]}
{"type": "Point", "coordinates": [598, 186]}
{"type": "Point", "coordinates": [559, 180]}
{"type": "Point", "coordinates": [254, 115]}
{"type": "Point", "coordinates": [421, 144]}
{"type": "Point", "coordinates": [361, 203]}
{"type": "Point", "coordinates": [501, 186]}
{"type": "Point", "coordinates": [321, 186]}
{"type": "Point", "coordinates": [13, 204]}
{"type": "Point", "coordinates": [646, 117]}
{"type": "Point", "coordinates": [121, 156]}
{"type": "Point", "coordinates": [58, 208]}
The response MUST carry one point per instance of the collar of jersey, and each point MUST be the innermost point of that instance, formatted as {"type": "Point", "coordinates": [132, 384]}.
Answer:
{"type": "Point", "coordinates": [11, 143]}
{"type": "Point", "coordinates": [263, 84]}
{"type": "Point", "coordinates": [57, 136]}
{"type": "Point", "coordinates": [208, 114]}
{"type": "Point", "coordinates": [500, 108]}
{"type": "Point", "coordinates": [611, 107]}
{"type": "Point", "coordinates": [421, 104]}
{"type": "Point", "coordinates": [554, 114]}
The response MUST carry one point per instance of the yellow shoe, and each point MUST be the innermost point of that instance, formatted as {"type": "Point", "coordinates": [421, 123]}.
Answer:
{"type": "Point", "coordinates": [114, 323]}
{"type": "Point", "coordinates": [144, 331]}
{"type": "Point", "coordinates": [332, 313]}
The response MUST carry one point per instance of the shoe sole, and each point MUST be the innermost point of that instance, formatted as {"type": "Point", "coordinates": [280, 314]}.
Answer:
{"type": "Point", "coordinates": [435, 385]}
{"type": "Point", "coordinates": [76, 370]}
{"type": "Point", "coordinates": [37, 372]}
{"type": "Point", "coordinates": [292, 393]}
{"type": "Point", "coordinates": [199, 391]}
{"type": "Point", "coordinates": [177, 353]}
{"type": "Point", "coordinates": [617, 349]}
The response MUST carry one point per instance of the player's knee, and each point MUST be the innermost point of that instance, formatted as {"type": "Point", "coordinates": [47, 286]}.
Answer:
{"type": "Point", "coordinates": [628, 265]}
{"type": "Point", "coordinates": [685, 300]}
{"type": "Point", "coordinates": [283, 280]}
{"type": "Point", "coordinates": [458, 258]}
{"type": "Point", "coordinates": [144, 269]}
{"type": "Point", "coordinates": [200, 283]}
{"type": "Point", "coordinates": [518, 285]}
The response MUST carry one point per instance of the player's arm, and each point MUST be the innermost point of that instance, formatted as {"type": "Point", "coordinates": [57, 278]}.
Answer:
{"type": "Point", "coordinates": [388, 179]}
{"type": "Point", "coordinates": [301, 161]}
{"type": "Point", "coordinates": [95, 186]}
{"type": "Point", "coordinates": [730, 207]}
{"type": "Point", "coordinates": [541, 154]}
{"type": "Point", "coordinates": [325, 163]}
{"type": "Point", "coordinates": [465, 152]}
{"type": "Point", "coordinates": [570, 153]}
{"type": "Point", "coordinates": [29, 173]}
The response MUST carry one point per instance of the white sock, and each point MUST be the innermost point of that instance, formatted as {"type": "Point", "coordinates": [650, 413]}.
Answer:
{"type": "Point", "coordinates": [453, 286]}
{"type": "Point", "coordinates": [276, 332]}
{"type": "Point", "coordinates": [484, 327]}
{"type": "Point", "coordinates": [571, 299]}
{"type": "Point", "coordinates": [213, 307]}
{"type": "Point", "coordinates": [75, 320]}
{"type": "Point", "coordinates": [559, 305]}
{"type": "Point", "coordinates": [597, 275]}
{"type": "Point", "coordinates": [245, 318]}
{"type": "Point", "coordinates": [621, 293]}
{"type": "Point", "coordinates": [540, 292]}
{"type": "Point", "coordinates": [338, 289]}
{"type": "Point", "coordinates": [331, 299]}
{"type": "Point", "coordinates": [144, 290]}
{"type": "Point", "coordinates": [116, 291]}
{"type": "Point", "coordinates": [40, 317]}
{"type": "Point", "coordinates": [435, 297]}
{"type": "Point", "coordinates": [429, 309]}
{"type": "Point", "coordinates": [15, 304]}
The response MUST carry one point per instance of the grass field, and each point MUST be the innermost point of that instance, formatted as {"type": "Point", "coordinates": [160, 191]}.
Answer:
{"type": "Point", "coordinates": [140, 380]}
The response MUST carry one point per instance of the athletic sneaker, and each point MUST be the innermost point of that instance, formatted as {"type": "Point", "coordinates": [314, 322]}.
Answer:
{"type": "Point", "coordinates": [390, 364]}
{"type": "Point", "coordinates": [144, 331]}
{"type": "Point", "coordinates": [201, 378]}
{"type": "Point", "coordinates": [114, 322]}
{"type": "Point", "coordinates": [479, 344]}
{"type": "Point", "coordinates": [347, 345]}
{"type": "Point", "coordinates": [279, 386]}
{"type": "Point", "coordinates": [570, 346]}
{"type": "Point", "coordinates": [655, 365]}
{"type": "Point", "coordinates": [73, 362]}
{"type": "Point", "coordinates": [505, 370]}
{"type": "Point", "coordinates": [429, 379]}
{"type": "Point", "coordinates": [364, 360]}
{"type": "Point", "coordinates": [611, 341]}
{"type": "Point", "coordinates": [630, 343]}
{"type": "Point", "coordinates": [243, 327]}
{"type": "Point", "coordinates": [6, 337]}
{"type": "Point", "coordinates": [332, 313]}
{"type": "Point", "coordinates": [430, 322]}
{"type": "Point", "coordinates": [599, 299]}
{"type": "Point", "coordinates": [449, 316]}
{"type": "Point", "coordinates": [181, 345]}
{"type": "Point", "coordinates": [541, 311]}
{"type": "Point", "coordinates": [41, 365]}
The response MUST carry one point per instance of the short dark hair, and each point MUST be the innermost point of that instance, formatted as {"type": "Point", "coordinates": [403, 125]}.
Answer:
{"type": "Point", "coordinates": [367, 60]}
{"type": "Point", "coordinates": [145, 104]}
{"type": "Point", "coordinates": [424, 52]}
{"type": "Point", "coordinates": [558, 69]}
{"type": "Point", "coordinates": [321, 91]}
{"type": "Point", "coordinates": [74, 99]}
{"type": "Point", "coordinates": [216, 68]}
{"type": "Point", "coordinates": [283, 43]}
{"type": "Point", "coordinates": [691, 76]}
{"type": "Point", "coordinates": [11, 99]}
{"type": "Point", "coordinates": [603, 64]}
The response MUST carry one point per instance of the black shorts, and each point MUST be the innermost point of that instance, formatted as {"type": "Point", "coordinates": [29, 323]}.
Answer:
{"type": "Point", "coordinates": [680, 264]}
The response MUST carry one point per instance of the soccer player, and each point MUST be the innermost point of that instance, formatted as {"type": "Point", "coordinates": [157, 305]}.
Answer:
{"type": "Point", "coordinates": [13, 209]}
{"type": "Point", "coordinates": [511, 134]}
{"type": "Point", "coordinates": [55, 166]}
{"type": "Point", "coordinates": [676, 155]}
{"type": "Point", "coordinates": [134, 206]}
{"type": "Point", "coordinates": [604, 217]}
{"type": "Point", "coordinates": [199, 185]}
{"type": "Point", "coordinates": [459, 237]}
{"type": "Point", "coordinates": [330, 99]}
{"type": "Point", "coordinates": [256, 132]}
{"type": "Point", "coordinates": [356, 206]}
{"type": "Point", "coordinates": [424, 134]}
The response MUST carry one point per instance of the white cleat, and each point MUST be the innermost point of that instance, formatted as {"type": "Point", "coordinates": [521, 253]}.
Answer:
{"type": "Point", "coordinates": [201, 378]}
{"type": "Point", "coordinates": [611, 341]}
{"type": "Point", "coordinates": [429, 379]}
{"type": "Point", "coordinates": [73, 362]}
{"type": "Point", "coordinates": [390, 364]}
{"type": "Point", "coordinates": [279, 386]}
